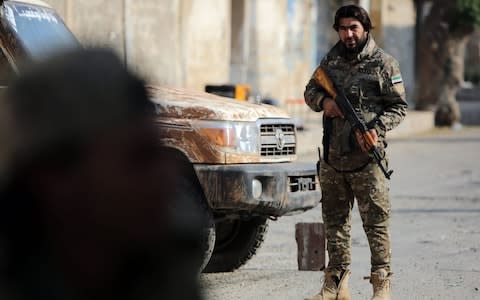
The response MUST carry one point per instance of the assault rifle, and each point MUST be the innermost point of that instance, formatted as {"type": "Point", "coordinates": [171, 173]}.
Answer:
{"type": "Point", "coordinates": [358, 125]}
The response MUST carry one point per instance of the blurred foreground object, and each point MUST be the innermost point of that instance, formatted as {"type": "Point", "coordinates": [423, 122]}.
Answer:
{"type": "Point", "coordinates": [85, 187]}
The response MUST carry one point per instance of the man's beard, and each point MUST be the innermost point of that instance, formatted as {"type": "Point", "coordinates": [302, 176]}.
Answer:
{"type": "Point", "coordinates": [358, 48]}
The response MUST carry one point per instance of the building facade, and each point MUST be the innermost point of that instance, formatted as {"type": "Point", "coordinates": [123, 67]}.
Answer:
{"type": "Point", "coordinates": [272, 45]}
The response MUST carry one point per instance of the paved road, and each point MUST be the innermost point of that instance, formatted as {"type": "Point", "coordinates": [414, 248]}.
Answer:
{"type": "Point", "coordinates": [435, 228]}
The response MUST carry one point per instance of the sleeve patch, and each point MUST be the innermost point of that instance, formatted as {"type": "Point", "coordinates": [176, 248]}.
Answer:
{"type": "Point", "coordinates": [396, 79]}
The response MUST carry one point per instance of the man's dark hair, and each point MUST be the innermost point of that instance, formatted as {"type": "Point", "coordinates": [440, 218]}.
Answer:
{"type": "Point", "coordinates": [353, 11]}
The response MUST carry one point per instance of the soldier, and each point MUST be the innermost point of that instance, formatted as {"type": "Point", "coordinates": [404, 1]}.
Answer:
{"type": "Point", "coordinates": [85, 188]}
{"type": "Point", "coordinates": [371, 80]}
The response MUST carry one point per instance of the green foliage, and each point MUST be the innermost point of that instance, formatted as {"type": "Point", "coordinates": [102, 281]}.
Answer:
{"type": "Point", "coordinates": [466, 15]}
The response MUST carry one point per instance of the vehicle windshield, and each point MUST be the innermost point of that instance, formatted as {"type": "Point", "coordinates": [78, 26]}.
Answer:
{"type": "Point", "coordinates": [40, 30]}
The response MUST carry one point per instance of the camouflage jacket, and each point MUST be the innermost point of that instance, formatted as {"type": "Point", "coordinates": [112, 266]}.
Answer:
{"type": "Point", "coordinates": [373, 84]}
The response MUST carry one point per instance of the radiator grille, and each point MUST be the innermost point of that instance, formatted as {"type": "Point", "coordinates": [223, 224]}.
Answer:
{"type": "Point", "coordinates": [277, 139]}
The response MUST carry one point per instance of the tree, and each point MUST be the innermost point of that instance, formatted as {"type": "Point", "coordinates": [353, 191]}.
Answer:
{"type": "Point", "coordinates": [443, 28]}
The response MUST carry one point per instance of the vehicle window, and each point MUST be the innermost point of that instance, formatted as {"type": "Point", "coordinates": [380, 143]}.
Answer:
{"type": "Point", "coordinates": [40, 29]}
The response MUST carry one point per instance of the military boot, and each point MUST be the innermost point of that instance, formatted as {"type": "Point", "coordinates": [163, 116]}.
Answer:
{"type": "Point", "coordinates": [331, 291]}
{"type": "Point", "coordinates": [381, 281]}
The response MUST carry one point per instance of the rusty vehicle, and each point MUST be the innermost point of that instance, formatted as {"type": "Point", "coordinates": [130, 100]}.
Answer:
{"type": "Point", "coordinates": [242, 153]}
{"type": "Point", "coordinates": [243, 157]}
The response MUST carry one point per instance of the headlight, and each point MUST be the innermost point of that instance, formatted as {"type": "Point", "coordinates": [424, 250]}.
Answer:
{"type": "Point", "coordinates": [231, 136]}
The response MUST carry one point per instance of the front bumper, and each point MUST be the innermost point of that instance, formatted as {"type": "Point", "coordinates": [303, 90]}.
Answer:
{"type": "Point", "coordinates": [287, 188]}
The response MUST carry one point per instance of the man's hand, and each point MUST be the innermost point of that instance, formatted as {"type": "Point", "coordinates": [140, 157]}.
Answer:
{"type": "Point", "coordinates": [366, 143]}
{"type": "Point", "coordinates": [331, 109]}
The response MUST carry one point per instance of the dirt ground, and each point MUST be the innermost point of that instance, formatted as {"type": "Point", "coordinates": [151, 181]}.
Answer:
{"type": "Point", "coordinates": [435, 193]}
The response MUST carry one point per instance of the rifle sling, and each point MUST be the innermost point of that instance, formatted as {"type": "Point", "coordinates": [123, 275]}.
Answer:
{"type": "Point", "coordinates": [327, 129]}
{"type": "Point", "coordinates": [351, 170]}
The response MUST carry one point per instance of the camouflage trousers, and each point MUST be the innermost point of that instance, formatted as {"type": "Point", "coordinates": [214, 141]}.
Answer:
{"type": "Point", "coordinates": [339, 190]}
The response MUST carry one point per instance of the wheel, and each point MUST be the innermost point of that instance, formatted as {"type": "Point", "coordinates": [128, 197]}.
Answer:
{"type": "Point", "coordinates": [236, 242]}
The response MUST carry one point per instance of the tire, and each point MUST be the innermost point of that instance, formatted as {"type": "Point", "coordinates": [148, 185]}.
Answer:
{"type": "Point", "coordinates": [207, 240]}
{"type": "Point", "coordinates": [236, 242]}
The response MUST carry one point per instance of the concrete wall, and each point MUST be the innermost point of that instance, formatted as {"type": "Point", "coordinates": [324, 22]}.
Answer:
{"type": "Point", "coordinates": [177, 42]}
{"type": "Point", "coordinates": [94, 22]}
{"type": "Point", "coordinates": [206, 42]}
{"type": "Point", "coordinates": [300, 40]}
{"type": "Point", "coordinates": [152, 44]}
{"type": "Point", "coordinates": [396, 34]}
{"type": "Point", "coordinates": [280, 46]}
{"type": "Point", "coordinates": [325, 34]}
{"type": "Point", "coordinates": [273, 45]}
{"type": "Point", "coordinates": [266, 68]}
{"type": "Point", "coordinates": [240, 41]}
{"type": "Point", "coordinates": [189, 42]}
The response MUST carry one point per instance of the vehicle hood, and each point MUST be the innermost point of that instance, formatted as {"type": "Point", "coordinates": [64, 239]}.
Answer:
{"type": "Point", "coordinates": [186, 104]}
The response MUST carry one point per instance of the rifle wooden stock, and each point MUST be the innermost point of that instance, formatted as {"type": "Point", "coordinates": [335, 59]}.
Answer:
{"type": "Point", "coordinates": [324, 81]}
